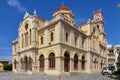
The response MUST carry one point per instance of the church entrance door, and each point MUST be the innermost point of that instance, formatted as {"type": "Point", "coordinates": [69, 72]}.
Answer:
{"type": "Point", "coordinates": [66, 62]}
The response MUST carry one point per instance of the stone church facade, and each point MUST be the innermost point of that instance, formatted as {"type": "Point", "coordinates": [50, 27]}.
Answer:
{"type": "Point", "coordinates": [59, 46]}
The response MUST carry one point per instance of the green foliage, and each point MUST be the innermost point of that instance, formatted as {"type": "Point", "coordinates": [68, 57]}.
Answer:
{"type": "Point", "coordinates": [8, 67]}
{"type": "Point", "coordinates": [117, 72]}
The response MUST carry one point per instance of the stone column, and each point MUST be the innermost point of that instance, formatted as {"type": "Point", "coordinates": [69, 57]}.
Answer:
{"type": "Point", "coordinates": [79, 65]}
{"type": "Point", "coordinates": [71, 65]}
{"type": "Point", "coordinates": [34, 32]}
{"type": "Point", "coordinates": [87, 63]}
{"type": "Point", "coordinates": [34, 61]}
{"type": "Point", "coordinates": [62, 64]}
{"type": "Point", "coordinates": [58, 64]}
{"type": "Point", "coordinates": [46, 65]}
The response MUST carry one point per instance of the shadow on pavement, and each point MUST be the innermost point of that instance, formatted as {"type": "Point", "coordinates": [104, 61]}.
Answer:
{"type": "Point", "coordinates": [115, 77]}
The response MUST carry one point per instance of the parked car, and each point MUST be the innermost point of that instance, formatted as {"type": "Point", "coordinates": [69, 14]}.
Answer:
{"type": "Point", "coordinates": [106, 71]}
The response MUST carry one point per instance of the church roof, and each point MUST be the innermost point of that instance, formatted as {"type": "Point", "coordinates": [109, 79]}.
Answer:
{"type": "Point", "coordinates": [62, 8]}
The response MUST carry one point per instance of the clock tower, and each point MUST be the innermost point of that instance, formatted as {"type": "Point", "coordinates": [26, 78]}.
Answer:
{"type": "Point", "coordinates": [98, 19]}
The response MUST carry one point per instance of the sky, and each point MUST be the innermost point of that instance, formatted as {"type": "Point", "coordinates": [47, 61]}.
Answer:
{"type": "Point", "coordinates": [12, 13]}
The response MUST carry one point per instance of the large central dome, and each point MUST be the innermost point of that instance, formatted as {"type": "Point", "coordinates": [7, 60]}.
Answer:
{"type": "Point", "coordinates": [62, 8]}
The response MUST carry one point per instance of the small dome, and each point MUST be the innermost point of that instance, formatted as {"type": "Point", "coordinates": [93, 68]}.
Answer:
{"type": "Point", "coordinates": [62, 8]}
{"type": "Point", "coordinates": [98, 11]}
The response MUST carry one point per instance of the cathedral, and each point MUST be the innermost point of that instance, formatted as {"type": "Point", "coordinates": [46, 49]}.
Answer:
{"type": "Point", "coordinates": [59, 46]}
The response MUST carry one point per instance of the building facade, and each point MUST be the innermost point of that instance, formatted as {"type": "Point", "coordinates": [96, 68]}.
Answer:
{"type": "Point", "coordinates": [111, 55]}
{"type": "Point", "coordinates": [117, 52]}
{"type": "Point", "coordinates": [1, 67]}
{"type": "Point", "coordinates": [59, 46]}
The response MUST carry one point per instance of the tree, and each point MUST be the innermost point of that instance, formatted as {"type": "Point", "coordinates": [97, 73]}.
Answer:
{"type": "Point", "coordinates": [8, 67]}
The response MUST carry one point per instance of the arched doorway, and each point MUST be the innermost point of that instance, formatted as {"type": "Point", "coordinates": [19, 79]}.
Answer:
{"type": "Point", "coordinates": [15, 64]}
{"type": "Point", "coordinates": [66, 62]}
{"type": "Point", "coordinates": [25, 63]}
{"type": "Point", "coordinates": [95, 63]}
{"type": "Point", "coordinates": [83, 62]}
{"type": "Point", "coordinates": [76, 62]}
{"type": "Point", "coordinates": [52, 61]}
{"type": "Point", "coordinates": [41, 63]}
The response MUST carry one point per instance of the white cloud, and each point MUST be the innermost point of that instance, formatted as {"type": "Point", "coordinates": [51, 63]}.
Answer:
{"type": "Point", "coordinates": [6, 57]}
{"type": "Point", "coordinates": [16, 4]}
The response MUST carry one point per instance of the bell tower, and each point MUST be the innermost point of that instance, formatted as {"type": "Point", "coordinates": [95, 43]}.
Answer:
{"type": "Point", "coordinates": [98, 19]}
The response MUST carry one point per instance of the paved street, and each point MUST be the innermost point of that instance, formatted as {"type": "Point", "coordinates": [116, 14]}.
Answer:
{"type": "Point", "coordinates": [13, 76]}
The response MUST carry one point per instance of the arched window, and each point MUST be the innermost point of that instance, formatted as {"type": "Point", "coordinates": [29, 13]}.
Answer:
{"type": "Point", "coordinates": [41, 39]}
{"type": "Point", "coordinates": [66, 36]}
{"type": "Point", "coordinates": [98, 26]}
{"type": "Point", "coordinates": [30, 36]}
{"type": "Point", "coordinates": [82, 42]}
{"type": "Point", "coordinates": [75, 40]}
{"type": "Point", "coordinates": [26, 26]}
{"type": "Point", "coordinates": [52, 61]}
{"type": "Point", "coordinates": [94, 30]}
{"type": "Point", "coordinates": [26, 39]}
{"type": "Point", "coordinates": [22, 40]}
{"type": "Point", "coordinates": [83, 63]}
{"type": "Point", "coordinates": [51, 36]}
{"type": "Point", "coordinates": [76, 62]}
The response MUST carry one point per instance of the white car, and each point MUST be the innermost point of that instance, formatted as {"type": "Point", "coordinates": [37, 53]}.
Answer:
{"type": "Point", "coordinates": [106, 71]}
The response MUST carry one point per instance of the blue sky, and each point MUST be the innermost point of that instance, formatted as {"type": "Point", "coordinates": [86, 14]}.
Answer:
{"type": "Point", "coordinates": [12, 13]}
